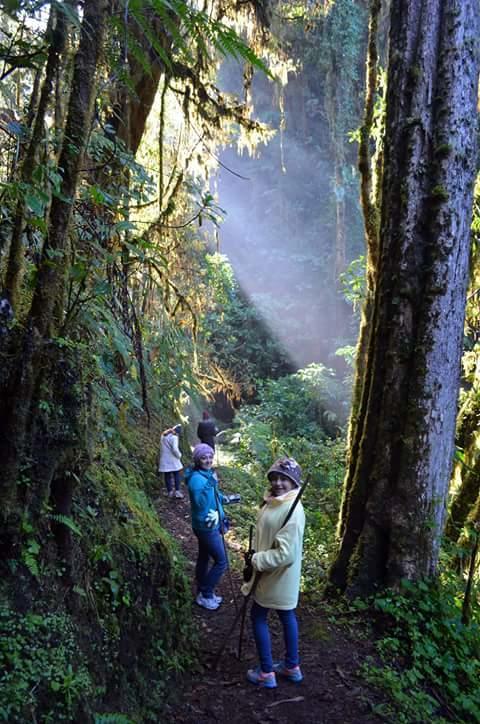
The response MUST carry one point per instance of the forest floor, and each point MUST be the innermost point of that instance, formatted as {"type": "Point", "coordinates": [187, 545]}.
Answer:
{"type": "Point", "coordinates": [332, 650]}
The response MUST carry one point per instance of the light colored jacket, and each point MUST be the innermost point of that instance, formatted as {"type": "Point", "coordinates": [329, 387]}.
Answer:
{"type": "Point", "coordinates": [279, 553]}
{"type": "Point", "coordinates": [170, 455]}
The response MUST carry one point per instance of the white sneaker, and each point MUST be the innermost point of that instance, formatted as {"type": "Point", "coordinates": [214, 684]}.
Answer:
{"type": "Point", "coordinates": [171, 493]}
{"type": "Point", "coordinates": [217, 599]}
{"type": "Point", "coordinates": [211, 604]}
{"type": "Point", "coordinates": [179, 494]}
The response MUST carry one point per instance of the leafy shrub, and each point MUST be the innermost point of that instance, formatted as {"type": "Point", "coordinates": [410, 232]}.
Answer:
{"type": "Point", "coordinates": [437, 667]}
{"type": "Point", "coordinates": [112, 718]}
{"type": "Point", "coordinates": [236, 336]}
{"type": "Point", "coordinates": [291, 419]}
{"type": "Point", "coordinates": [41, 667]}
{"type": "Point", "coordinates": [306, 403]}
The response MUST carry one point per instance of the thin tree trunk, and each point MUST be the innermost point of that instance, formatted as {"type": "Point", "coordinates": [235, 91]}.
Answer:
{"type": "Point", "coordinates": [467, 470]}
{"type": "Point", "coordinates": [401, 447]}
{"type": "Point", "coordinates": [16, 258]}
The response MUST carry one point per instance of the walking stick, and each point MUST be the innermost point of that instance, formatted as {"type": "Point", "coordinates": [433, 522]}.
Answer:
{"type": "Point", "coordinates": [243, 609]}
{"type": "Point", "coordinates": [254, 585]}
{"type": "Point", "coordinates": [226, 555]}
{"type": "Point", "coordinates": [232, 627]}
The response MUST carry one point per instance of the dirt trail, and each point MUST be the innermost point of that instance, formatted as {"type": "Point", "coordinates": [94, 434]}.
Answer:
{"type": "Point", "coordinates": [331, 693]}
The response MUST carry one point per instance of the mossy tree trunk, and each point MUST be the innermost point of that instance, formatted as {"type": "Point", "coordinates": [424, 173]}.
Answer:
{"type": "Point", "coordinates": [369, 194]}
{"type": "Point", "coordinates": [22, 391]}
{"type": "Point", "coordinates": [57, 29]}
{"type": "Point", "coordinates": [465, 504]}
{"type": "Point", "coordinates": [402, 431]}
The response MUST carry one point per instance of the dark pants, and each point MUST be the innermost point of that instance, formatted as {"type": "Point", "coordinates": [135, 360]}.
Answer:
{"type": "Point", "coordinates": [261, 633]}
{"type": "Point", "coordinates": [172, 478]}
{"type": "Point", "coordinates": [210, 546]}
{"type": "Point", "coordinates": [209, 441]}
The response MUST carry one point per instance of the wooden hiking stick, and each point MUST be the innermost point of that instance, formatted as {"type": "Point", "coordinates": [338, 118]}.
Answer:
{"type": "Point", "coordinates": [243, 609]}
{"type": "Point", "coordinates": [239, 613]}
{"type": "Point", "coordinates": [252, 590]}
{"type": "Point", "coordinates": [222, 533]}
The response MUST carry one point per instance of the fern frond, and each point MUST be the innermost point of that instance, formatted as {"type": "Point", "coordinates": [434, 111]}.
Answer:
{"type": "Point", "coordinates": [65, 520]}
{"type": "Point", "coordinates": [188, 28]}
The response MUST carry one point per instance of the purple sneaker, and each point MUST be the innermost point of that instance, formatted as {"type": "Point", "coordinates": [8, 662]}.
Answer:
{"type": "Point", "coordinates": [294, 674]}
{"type": "Point", "coordinates": [259, 678]}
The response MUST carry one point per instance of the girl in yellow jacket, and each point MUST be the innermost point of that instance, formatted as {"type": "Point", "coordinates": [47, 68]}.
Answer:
{"type": "Point", "coordinates": [277, 566]}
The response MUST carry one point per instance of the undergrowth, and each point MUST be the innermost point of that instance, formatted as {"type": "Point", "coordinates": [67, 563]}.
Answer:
{"type": "Point", "coordinates": [41, 667]}
{"type": "Point", "coordinates": [115, 637]}
{"type": "Point", "coordinates": [430, 660]}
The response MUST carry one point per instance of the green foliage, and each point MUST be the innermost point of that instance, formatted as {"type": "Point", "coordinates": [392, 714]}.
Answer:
{"type": "Point", "coordinates": [353, 282]}
{"type": "Point", "coordinates": [41, 667]}
{"type": "Point", "coordinates": [291, 418]}
{"type": "Point", "coordinates": [131, 593]}
{"type": "Point", "coordinates": [436, 658]}
{"type": "Point", "coordinates": [191, 29]}
{"type": "Point", "coordinates": [30, 548]}
{"type": "Point", "coordinates": [237, 340]}
{"type": "Point", "coordinates": [65, 520]}
{"type": "Point", "coordinates": [121, 500]}
{"type": "Point", "coordinates": [137, 583]}
{"type": "Point", "coordinates": [306, 403]}
{"type": "Point", "coordinates": [322, 463]}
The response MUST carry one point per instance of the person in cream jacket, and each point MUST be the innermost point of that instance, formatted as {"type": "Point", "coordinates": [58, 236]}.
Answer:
{"type": "Point", "coordinates": [276, 568]}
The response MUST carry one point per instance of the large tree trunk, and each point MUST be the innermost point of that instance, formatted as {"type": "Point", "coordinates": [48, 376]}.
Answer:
{"type": "Point", "coordinates": [17, 407]}
{"type": "Point", "coordinates": [402, 436]}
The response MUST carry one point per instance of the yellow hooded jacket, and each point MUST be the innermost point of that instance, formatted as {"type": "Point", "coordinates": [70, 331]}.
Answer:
{"type": "Point", "coordinates": [278, 554]}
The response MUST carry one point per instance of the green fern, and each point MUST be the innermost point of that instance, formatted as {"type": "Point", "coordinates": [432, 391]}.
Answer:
{"type": "Point", "coordinates": [188, 28]}
{"type": "Point", "coordinates": [65, 520]}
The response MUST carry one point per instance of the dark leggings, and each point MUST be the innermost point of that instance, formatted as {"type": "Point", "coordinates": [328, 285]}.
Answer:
{"type": "Point", "coordinates": [172, 478]}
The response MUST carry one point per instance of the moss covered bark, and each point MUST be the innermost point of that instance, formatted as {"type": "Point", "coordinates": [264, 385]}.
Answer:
{"type": "Point", "coordinates": [401, 443]}
{"type": "Point", "coordinates": [22, 391]}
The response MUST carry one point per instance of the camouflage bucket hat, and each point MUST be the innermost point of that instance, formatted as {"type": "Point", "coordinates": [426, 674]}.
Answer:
{"type": "Point", "coordinates": [289, 468]}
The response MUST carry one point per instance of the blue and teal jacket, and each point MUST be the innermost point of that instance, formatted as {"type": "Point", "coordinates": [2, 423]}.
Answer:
{"type": "Point", "coordinates": [204, 496]}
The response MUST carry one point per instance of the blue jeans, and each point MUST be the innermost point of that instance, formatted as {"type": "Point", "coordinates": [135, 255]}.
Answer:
{"type": "Point", "coordinates": [171, 478]}
{"type": "Point", "coordinates": [210, 546]}
{"type": "Point", "coordinates": [261, 633]}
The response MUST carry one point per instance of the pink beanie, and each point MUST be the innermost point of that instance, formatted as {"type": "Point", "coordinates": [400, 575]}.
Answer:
{"type": "Point", "coordinates": [200, 450]}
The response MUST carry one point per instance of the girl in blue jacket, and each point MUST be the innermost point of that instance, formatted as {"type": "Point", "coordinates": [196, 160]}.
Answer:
{"type": "Point", "coordinates": [208, 517]}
